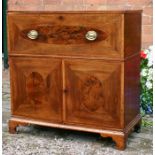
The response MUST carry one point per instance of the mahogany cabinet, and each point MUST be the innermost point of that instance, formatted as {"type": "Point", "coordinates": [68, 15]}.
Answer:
{"type": "Point", "coordinates": [76, 70]}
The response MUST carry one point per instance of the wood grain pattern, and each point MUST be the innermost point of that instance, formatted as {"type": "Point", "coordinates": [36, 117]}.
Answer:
{"type": "Point", "coordinates": [132, 88]}
{"type": "Point", "coordinates": [56, 34]}
{"type": "Point", "coordinates": [36, 88]}
{"type": "Point", "coordinates": [70, 31]}
{"type": "Point", "coordinates": [93, 93]}
{"type": "Point", "coordinates": [132, 34]}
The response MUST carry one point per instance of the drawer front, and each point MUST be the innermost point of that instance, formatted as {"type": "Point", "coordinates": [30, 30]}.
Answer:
{"type": "Point", "coordinates": [94, 93]}
{"type": "Point", "coordinates": [67, 34]}
{"type": "Point", "coordinates": [36, 86]}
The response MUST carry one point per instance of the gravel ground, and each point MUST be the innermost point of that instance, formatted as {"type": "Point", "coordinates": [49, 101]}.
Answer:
{"type": "Point", "coordinates": [37, 140]}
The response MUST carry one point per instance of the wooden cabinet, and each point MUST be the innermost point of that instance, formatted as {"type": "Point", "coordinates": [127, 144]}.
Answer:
{"type": "Point", "coordinates": [76, 70]}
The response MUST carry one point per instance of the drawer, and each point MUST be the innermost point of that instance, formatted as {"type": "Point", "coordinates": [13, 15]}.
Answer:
{"type": "Point", "coordinates": [90, 34]}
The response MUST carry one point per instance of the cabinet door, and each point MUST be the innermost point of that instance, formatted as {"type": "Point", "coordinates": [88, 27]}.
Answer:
{"type": "Point", "coordinates": [93, 93]}
{"type": "Point", "coordinates": [36, 88]}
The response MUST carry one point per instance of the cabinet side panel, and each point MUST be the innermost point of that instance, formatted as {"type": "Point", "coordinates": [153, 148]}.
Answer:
{"type": "Point", "coordinates": [132, 88]}
{"type": "Point", "coordinates": [132, 34]}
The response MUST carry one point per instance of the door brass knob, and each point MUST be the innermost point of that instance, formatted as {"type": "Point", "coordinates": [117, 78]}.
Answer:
{"type": "Point", "coordinates": [33, 34]}
{"type": "Point", "coordinates": [91, 35]}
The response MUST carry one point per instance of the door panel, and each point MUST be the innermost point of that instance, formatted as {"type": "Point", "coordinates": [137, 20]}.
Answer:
{"type": "Point", "coordinates": [93, 93]}
{"type": "Point", "coordinates": [36, 88]}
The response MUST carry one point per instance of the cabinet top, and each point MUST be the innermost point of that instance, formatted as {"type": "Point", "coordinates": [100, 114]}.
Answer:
{"type": "Point", "coordinates": [84, 11]}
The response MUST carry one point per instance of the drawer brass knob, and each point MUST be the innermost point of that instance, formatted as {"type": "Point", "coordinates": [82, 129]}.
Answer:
{"type": "Point", "coordinates": [91, 35]}
{"type": "Point", "coordinates": [33, 34]}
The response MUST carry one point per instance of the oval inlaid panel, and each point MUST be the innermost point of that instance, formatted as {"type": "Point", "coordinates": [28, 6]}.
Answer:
{"type": "Point", "coordinates": [35, 86]}
{"type": "Point", "coordinates": [55, 34]}
{"type": "Point", "coordinates": [92, 93]}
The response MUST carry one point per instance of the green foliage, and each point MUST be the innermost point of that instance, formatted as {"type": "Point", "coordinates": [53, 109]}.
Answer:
{"type": "Point", "coordinates": [147, 123]}
{"type": "Point", "coordinates": [146, 81]}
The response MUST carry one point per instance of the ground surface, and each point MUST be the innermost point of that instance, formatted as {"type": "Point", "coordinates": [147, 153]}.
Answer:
{"type": "Point", "coordinates": [36, 140]}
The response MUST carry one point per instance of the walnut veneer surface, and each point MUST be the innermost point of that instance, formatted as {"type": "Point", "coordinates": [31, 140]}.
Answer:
{"type": "Point", "coordinates": [61, 79]}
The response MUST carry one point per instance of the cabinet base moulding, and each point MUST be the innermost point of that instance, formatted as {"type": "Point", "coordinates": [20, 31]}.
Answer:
{"type": "Point", "coordinates": [119, 137]}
